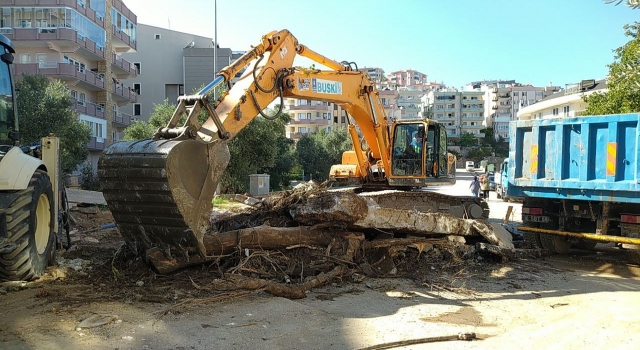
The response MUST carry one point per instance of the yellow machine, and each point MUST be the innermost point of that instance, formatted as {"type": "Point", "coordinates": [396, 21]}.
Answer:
{"type": "Point", "coordinates": [29, 190]}
{"type": "Point", "coordinates": [159, 190]}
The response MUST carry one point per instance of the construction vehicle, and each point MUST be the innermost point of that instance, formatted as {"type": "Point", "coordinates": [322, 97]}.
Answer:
{"type": "Point", "coordinates": [30, 201]}
{"type": "Point", "coordinates": [578, 178]}
{"type": "Point", "coordinates": [159, 190]}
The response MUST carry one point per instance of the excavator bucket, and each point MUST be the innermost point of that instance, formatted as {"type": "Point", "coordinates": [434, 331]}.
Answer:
{"type": "Point", "coordinates": [160, 192]}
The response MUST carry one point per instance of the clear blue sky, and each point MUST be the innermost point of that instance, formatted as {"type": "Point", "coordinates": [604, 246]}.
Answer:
{"type": "Point", "coordinates": [531, 41]}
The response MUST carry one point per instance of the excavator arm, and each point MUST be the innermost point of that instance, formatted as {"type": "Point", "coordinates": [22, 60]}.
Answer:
{"type": "Point", "coordinates": [159, 190]}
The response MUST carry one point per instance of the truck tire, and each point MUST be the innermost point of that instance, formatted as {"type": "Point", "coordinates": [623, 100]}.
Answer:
{"type": "Point", "coordinates": [555, 244]}
{"type": "Point", "coordinates": [533, 239]}
{"type": "Point", "coordinates": [30, 221]}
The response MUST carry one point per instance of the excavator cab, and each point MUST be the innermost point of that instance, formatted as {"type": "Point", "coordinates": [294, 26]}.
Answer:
{"type": "Point", "coordinates": [419, 155]}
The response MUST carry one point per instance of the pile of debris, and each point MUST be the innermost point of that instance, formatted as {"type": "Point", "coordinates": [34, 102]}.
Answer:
{"type": "Point", "coordinates": [288, 243]}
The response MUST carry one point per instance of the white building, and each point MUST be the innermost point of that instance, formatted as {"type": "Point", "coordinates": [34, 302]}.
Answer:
{"type": "Point", "coordinates": [564, 104]}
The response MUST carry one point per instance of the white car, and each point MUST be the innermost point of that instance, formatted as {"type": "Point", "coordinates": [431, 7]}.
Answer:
{"type": "Point", "coordinates": [470, 166]}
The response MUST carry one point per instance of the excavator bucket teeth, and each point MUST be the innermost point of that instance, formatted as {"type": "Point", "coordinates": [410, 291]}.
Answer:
{"type": "Point", "coordinates": [160, 192]}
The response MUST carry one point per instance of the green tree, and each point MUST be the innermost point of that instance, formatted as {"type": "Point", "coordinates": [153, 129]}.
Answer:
{"type": "Point", "coordinates": [313, 157]}
{"type": "Point", "coordinates": [623, 82]}
{"type": "Point", "coordinates": [44, 108]}
{"type": "Point", "coordinates": [254, 149]}
{"type": "Point", "coordinates": [160, 116]}
{"type": "Point", "coordinates": [489, 137]}
{"type": "Point", "coordinates": [468, 139]}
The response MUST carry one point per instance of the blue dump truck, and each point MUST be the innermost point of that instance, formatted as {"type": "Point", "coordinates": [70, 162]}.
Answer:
{"type": "Point", "coordinates": [579, 180]}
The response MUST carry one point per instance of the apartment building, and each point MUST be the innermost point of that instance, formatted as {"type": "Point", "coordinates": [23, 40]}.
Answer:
{"type": "Point", "coordinates": [376, 74]}
{"type": "Point", "coordinates": [80, 43]}
{"type": "Point", "coordinates": [186, 65]}
{"type": "Point", "coordinates": [409, 78]}
{"type": "Point", "coordinates": [460, 111]}
{"type": "Point", "coordinates": [563, 104]}
{"type": "Point", "coordinates": [504, 99]}
{"type": "Point", "coordinates": [308, 116]}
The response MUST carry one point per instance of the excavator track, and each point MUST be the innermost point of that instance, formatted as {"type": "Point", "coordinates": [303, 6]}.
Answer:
{"type": "Point", "coordinates": [466, 207]}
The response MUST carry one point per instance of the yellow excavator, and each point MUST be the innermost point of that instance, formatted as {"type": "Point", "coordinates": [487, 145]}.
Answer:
{"type": "Point", "coordinates": [160, 189]}
{"type": "Point", "coordinates": [33, 207]}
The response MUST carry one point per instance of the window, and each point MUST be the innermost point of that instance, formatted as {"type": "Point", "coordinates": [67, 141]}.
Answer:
{"type": "Point", "coordinates": [157, 36]}
{"type": "Point", "coordinates": [555, 111]}
{"type": "Point", "coordinates": [24, 58]}
{"type": "Point", "coordinates": [136, 66]}
{"type": "Point", "coordinates": [136, 88]}
{"type": "Point", "coordinates": [81, 98]}
{"type": "Point", "coordinates": [308, 115]}
{"type": "Point", "coordinates": [136, 109]}
{"type": "Point", "coordinates": [565, 110]}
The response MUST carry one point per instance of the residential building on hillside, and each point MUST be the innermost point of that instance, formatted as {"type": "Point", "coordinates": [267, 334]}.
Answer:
{"type": "Point", "coordinates": [410, 104]}
{"type": "Point", "coordinates": [407, 78]}
{"type": "Point", "coordinates": [186, 65]}
{"type": "Point", "coordinates": [460, 111]}
{"type": "Point", "coordinates": [389, 99]}
{"type": "Point", "coordinates": [377, 74]}
{"type": "Point", "coordinates": [504, 99]}
{"type": "Point", "coordinates": [564, 104]}
{"type": "Point", "coordinates": [79, 43]}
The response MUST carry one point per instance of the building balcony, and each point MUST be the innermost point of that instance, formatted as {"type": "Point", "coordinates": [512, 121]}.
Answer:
{"type": "Point", "coordinates": [89, 108]}
{"type": "Point", "coordinates": [66, 72]}
{"type": "Point", "coordinates": [504, 96]}
{"type": "Point", "coordinates": [78, 5]}
{"type": "Point", "coordinates": [120, 41]}
{"type": "Point", "coordinates": [309, 108]}
{"type": "Point", "coordinates": [309, 122]}
{"type": "Point", "coordinates": [297, 135]}
{"type": "Point", "coordinates": [59, 39]}
{"type": "Point", "coordinates": [122, 68]}
{"type": "Point", "coordinates": [121, 93]}
{"type": "Point", "coordinates": [121, 119]}
{"type": "Point", "coordinates": [96, 143]}
{"type": "Point", "coordinates": [472, 109]}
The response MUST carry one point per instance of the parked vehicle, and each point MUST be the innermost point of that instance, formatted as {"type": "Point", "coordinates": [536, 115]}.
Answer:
{"type": "Point", "coordinates": [492, 182]}
{"type": "Point", "coordinates": [580, 181]}
{"type": "Point", "coordinates": [470, 166]}
{"type": "Point", "coordinates": [501, 179]}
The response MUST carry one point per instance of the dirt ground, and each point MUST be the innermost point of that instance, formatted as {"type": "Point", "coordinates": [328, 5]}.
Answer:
{"type": "Point", "coordinates": [584, 300]}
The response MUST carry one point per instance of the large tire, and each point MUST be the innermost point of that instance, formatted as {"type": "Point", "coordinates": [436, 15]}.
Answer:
{"type": "Point", "coordinates": [30, 221]}
{"type": "Point", "coordinates": [533, 239]}
{"type": "Point", "coordinates": [555, 244]}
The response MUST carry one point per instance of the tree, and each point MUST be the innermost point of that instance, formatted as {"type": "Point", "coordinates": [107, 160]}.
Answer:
{"type": "Point", "coordinates": [489, 137]}
{"type": "Point", "coordinates": [468, 139]}
{"type": "Point", "coordinates": [160, 117]}
{"type": "Point", "coordinates": [634, 4]}
{"type": "Point", "coordinates": [316, 153]}
{"type": "Point", "coordinates": [44, 108]}
{"type": "Point", "coordinates": [623, 82]}
{"type": "Point", "coordinates": [249, 156]}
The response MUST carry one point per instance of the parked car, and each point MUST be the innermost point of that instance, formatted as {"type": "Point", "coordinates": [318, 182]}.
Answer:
{"type": "Point", "coordinates": [470, 165]}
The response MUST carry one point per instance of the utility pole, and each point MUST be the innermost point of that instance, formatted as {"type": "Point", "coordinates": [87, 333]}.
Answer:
{"type": "Point", "coordinates": [215, 39]}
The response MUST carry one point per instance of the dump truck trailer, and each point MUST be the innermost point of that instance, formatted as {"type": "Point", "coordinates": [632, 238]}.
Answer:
{"type": "Point", "coordinates": [578, 178]}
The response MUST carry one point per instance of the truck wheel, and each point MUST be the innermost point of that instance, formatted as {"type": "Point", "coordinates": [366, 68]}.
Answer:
{"type": "Point", "coordinates": [533, 239]}
{"type": "Point", "coordinates": [555, 244]}
{"type": "Point", "coordinates": [30, 221]}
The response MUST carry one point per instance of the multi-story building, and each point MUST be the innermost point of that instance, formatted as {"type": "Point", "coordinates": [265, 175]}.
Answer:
{"type": "Point", "coordinates": [564, 104]}
{"type": "Point", "coordinates": [79, 43]}
{"type": "Point", "coordinates": [504, 99]}
{"type": "Point", "coordinates": [309, 116]}
{"type": "Point", "coordinates": [460, 111]}
{"type": "Point", "coordinates": [377, 74]}
{"type": "Point", "coordinates": [186, 65]}
{"type": "Point", "coordinates": [408, 78]}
